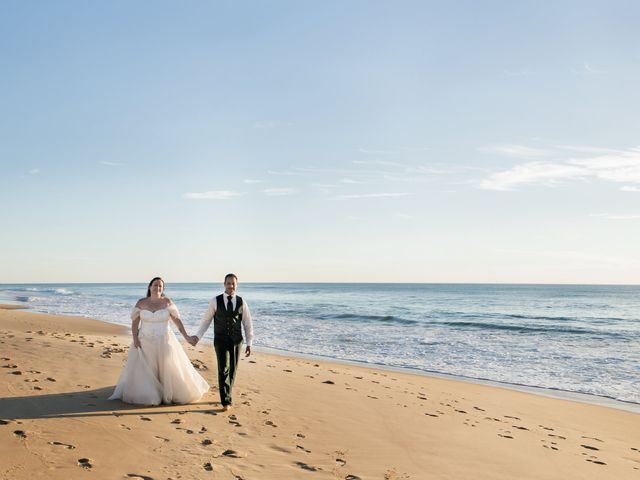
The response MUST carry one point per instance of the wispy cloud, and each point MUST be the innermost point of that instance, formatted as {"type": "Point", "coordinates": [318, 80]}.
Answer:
{"type": "Point", "coordinates": [34, 171]}
{"type": "Point", "coordinates": [519, 73]}
{"type": "Point", "coordinates": [630, 189]}
{"type": "Point", "coordinates": [530, 173]}
{"type": "Point", "coordinates": [517, 151]}
{"type": "Point", "coordinates": [278, 192]}
{"type": "Point", "coordinates": [610, 216]}
{"type": "Point", "coordinates": [112, 164]}
{"type": "Point", "coordinates": [269, 124]}
{"type": "Point", "coordinates": [588, 69]}
{"type": "Point", "coordinates": [612, 165]}
{"type": "Point", "coordinates": [251, 180]}
{"type": "Point", "coordinates": [212, 195]}
{"type": "Point", "coordinates": [375, 195]}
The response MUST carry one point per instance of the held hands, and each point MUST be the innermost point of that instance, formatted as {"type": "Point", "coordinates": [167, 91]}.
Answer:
{"type": "Point", "coordinates": [191, 340]}
{"type": "Point", "coordinates": [247, 351]}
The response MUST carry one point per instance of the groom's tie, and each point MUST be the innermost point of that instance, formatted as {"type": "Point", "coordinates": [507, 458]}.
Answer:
{"type": "Point", "coordinates": [229, 305]}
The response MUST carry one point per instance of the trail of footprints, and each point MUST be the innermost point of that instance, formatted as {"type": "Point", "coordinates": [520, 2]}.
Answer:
{"type": "Point", "coordinates": [114, 348]}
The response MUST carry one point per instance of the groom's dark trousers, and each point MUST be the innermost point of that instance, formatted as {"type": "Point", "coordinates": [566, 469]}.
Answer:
{"type": "Point", "coordinates": [227, 353]}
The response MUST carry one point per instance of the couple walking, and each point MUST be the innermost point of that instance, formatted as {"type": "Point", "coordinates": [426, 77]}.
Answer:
{"type": "Point", "coordinates": [159, 371]}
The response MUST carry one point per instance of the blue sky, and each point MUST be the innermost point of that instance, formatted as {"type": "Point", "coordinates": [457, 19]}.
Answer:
{"type": "Point", "coordinates": [320, 141]}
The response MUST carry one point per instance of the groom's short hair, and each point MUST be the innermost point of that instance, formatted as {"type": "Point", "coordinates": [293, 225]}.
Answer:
{"type": "Point", "coordinates": [232, 275]}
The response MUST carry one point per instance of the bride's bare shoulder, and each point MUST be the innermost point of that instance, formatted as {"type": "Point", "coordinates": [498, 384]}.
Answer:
{"type": "Point", "coordinates": [141, 303]}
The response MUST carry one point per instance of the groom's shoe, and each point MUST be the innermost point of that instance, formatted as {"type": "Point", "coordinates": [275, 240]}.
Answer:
{"type": "Point", "coordinates": [226, 408]}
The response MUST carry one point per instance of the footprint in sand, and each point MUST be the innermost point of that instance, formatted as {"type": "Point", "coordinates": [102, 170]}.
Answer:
{"type": "Point", "coordinates": [161, 438]}
{"type": "Point", "coordinates": [140, 477]}
{"type": "Point", "coordinates": [341, 461]}
{"type": "Point", "coordinates": [124, 427]}
{"type": "Point", "coordinates": [513, 418]}
{"type": "Point", "coordinates": [206, 442]}
{"type": "Point", "coordinates": [304, 466]}
{"type": "Point", "coordinates": [329, 382]}
{"type": "Point", "coordinates": [37, 388]}
{"type": "Point", "coordinates": [596, 461]}
{"type": "Point", "coordinates": [10, 365]}
{"type": "Point", "coordinates": [271, 424]}
{"type": "Point", "coordinates": [7, 422]}
{"type": "Point", "coordinates": [592, 438]}
{"type": "Point", "coordinates": [589, 447]}
{"type": "Point", "coordinates": [431, 415]}
{"type": "Point", "coordinates": [352, 477]}
{"type": "Point", "coordinates": [231, 454]}
{"type": "Point", "coordinates": [208, 467]}
{"type": "Point", "coordinates": [85, 463]}
{"type": "Point", "coordinates": [20, 433]}
{"type": "Point", "coordinates": [556, 436]}
{"type": "Point", "coordinates": [300, 435]}
{"type": "Point", "coordinates": [505, 436]}
{"type": "Point", "coordinates": [479, 409]}
{"type": "Point", "coordinates": [520, 428]}
{"type": "Point", "coordinates": [65, 445]}
{"type": "Point", "coordinates": [176, 421]}
{"type": "Point", "coordinates": [300, 447]}
{"type": "Point", "coordinates": [145, 419]}
{"type": "Point", "coordinates": [17, 372]}
{"type": "Point", "coordinates": [51, 379]}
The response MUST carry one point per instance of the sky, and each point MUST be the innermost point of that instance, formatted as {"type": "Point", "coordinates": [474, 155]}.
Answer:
{"type": "Point", "coordinates": [333, 141]}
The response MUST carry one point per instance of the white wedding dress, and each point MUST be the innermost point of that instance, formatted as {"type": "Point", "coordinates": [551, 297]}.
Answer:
{"type": "Point", "coordinates": [159, 371]}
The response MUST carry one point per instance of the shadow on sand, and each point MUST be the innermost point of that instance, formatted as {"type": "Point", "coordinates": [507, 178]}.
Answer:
{"type": "Point", "coordinates": [87, 403]}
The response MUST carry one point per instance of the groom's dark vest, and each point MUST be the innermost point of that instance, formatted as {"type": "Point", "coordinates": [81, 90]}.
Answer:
{"type": "Point", "coordinates": [227, 325]}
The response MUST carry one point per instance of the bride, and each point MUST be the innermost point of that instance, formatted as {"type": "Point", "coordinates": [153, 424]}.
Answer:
{"type": "Point", "coordinates": [157, 369]}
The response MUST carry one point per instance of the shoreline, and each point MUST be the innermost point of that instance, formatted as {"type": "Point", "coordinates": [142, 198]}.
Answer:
{"type": "Point", "coordinates": [568, 395]}
{"type": "Point", "coordinates": [579, 397]}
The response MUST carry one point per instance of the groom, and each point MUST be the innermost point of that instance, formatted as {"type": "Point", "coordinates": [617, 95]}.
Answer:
{"type": "Point", "coordinates": [228, 312]}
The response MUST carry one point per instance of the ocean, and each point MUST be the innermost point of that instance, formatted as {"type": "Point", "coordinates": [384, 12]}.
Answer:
{"type": "Point", "coordinates": [582, 339]}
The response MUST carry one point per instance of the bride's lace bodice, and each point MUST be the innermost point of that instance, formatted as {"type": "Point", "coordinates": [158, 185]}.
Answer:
{"type": "Point", "coordinates": [155, 323]}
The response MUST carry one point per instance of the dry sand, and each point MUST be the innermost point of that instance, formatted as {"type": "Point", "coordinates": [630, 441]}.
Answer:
{"type": "Point", "coordinates": [293, 419]}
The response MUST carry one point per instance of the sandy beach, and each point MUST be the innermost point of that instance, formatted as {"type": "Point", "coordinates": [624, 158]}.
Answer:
{"type": "Point", "coordinates": [293, 418]}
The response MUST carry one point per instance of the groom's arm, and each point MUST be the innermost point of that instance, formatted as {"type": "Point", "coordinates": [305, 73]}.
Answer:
{"type": "Point", "coordinates": [205, 323]}
{"type": "Point", "coordinates": [247, 324]}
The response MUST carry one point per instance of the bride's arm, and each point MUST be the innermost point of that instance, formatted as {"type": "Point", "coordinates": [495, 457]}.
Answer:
{"type": "Point", "coordinates": [175, 317]}
{"type": "Point", "coordinates": [135, 325]}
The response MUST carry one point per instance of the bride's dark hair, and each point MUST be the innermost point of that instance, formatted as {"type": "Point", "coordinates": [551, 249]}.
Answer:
{"type": "Point", "coordinates": [151, 282]}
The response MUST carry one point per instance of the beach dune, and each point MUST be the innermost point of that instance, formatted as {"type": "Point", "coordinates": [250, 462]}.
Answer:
{"type": "Point", "coordinates": [294, 418]}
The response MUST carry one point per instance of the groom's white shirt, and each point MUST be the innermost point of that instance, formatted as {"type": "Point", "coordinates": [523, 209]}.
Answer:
{"type": "Point", "coordinates": [247, 325]}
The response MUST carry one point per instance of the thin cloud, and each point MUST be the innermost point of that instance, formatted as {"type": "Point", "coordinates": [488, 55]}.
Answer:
{"type": "Point", "coordinates": [212, 195]}
{"type": "Point", "coordinates": [278, 192]}
{"type": "Point", "coordinates": [34, 171]}
{"type": "Point", "coordinates": [589, 70]}
{"type": "Point", "coordinates": [251, 180]}
{"type": "Point", "coordinates": [630, 189]}
{"type": "Point", "coordinates": [270, 124]}
{"type": "Point", "coordinates": [610, 216]}
{"type": "Point", "coordinates": [374, 195]}
{"type": "Point", "coordinates": [517, 151]}
{"type": "Point", "coordinates": [519, 73]}
{"type": "Point", "coordinates": [112, 164]}
{"type": "Point", "coordinates": [548, 174]}
{"type": "Point", "coordinates": [612, 166]}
